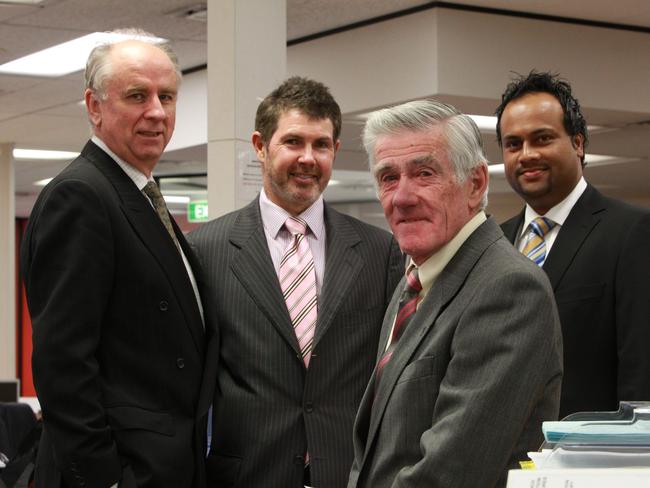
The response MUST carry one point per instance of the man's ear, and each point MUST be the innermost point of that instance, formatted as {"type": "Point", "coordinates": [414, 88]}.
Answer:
{"type": "Point", "coordinates": [259, 146]}
{"type": "Point", "coordinates": [478, 180]}
{"type": "Point", "coordinates": [579, 145]}
{"type": "Point", "coordinates": [93, 107]}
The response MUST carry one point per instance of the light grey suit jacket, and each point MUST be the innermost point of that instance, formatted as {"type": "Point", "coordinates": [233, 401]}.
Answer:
{"type": "Point", "coordinates": [471, 380]}
{"type": "Point", "coordinates": [268, 408]}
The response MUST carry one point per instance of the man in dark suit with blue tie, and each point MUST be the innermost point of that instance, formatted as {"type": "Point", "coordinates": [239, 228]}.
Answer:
{"type": "Point", "coordinates": [118, 330]}
{"type": "Point", "coordinates": [298, 292]}
{"type": "Point", "coordinates": [594, 249]}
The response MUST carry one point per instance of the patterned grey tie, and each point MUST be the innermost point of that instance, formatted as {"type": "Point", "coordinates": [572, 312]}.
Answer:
{"type": "Point", "coordinates": [153, 192]}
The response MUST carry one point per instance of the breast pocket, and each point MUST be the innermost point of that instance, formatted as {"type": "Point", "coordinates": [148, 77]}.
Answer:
{"type": "Point", "coordinates": [581, 311]}
{"type": "Point", "coordinates": [134, 418]}
{"type": "Point", "coordinates": [421, 368]}
{"type": "Point", "coordinates": [414, 397]}
{"type": "Point", "coordinates": [580, 293]}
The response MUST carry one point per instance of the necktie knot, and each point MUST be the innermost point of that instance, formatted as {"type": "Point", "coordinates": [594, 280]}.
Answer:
{"type": "Point", "coordinates": [153, 192]}
{"type": "Point", "coordinates": [535, 247]}
{"type": "Point", "coordinates": [541, 226]}
{"type": "Point", "coordinates": [413, 280]}
{"type": "Point", "coordinates": [296, 225]}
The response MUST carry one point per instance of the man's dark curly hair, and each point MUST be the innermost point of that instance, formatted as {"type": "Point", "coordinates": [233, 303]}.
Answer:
{"type": "Point", "coordinates": [310, 97]}
{"type": "Point", "coordinates": [551, 83]}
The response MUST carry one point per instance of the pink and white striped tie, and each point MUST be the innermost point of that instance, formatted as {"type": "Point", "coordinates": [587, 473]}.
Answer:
{"type": "Point", "coordinates": [298, 283]}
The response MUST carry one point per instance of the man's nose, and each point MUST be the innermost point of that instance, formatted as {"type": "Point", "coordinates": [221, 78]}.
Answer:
{"type": "Point", "coordinates": [155, 109]}
{"type": "Point", "coordinates": [307, 155]}
{"type": "Point", "coordinates": [528, 152]}
{"type": "Point", "coordinates": [404, 195]}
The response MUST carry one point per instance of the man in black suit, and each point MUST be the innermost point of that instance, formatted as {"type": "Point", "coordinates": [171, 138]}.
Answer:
{"type": "Point", "coordinates": [117, 320]}
{"type": "Point", "coordinates": [594, 249]}
{"type": "Point", "coordinates": [286, 399]}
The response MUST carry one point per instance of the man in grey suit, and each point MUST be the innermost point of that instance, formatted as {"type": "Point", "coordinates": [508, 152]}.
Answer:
{"type": "Point", "coordinates": [470, 356]}
{"type": "Point", "coordinates": [298, 310]}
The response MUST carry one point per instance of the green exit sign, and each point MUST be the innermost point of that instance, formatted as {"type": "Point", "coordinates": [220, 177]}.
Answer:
{"type": "Point", "coordinates": [197, 211]}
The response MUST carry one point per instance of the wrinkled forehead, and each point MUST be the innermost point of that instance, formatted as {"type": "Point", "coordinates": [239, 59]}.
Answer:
{"type": "Point", "coordinates": [409, 145]}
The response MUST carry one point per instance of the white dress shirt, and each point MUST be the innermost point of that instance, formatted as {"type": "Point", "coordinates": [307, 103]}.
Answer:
{"type": "Point", "coordinates": [140, 181]}
{"type": "Point", "coordinates": [557, 214]}
{"type": "Point", "coordinates": [433, 266]}
{"type": "Point", "coordinates": [278, 237]}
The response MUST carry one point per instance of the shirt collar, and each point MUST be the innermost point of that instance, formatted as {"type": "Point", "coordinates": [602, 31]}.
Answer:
{"type": "Point", "coordinates": [432, 267]}
{"type": "Point", "coordinates": [138, 177]}
{"type": "Point", "coordinates": [274, 216]}
{"type": "Point", "coordinates": [559, 212]}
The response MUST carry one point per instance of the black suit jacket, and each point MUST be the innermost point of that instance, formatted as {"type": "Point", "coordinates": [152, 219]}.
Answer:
{"type": "Point", "coordinates": [117, 334]}
{"type": "Point", "coordinates": [268, 408]}
{"type": "Point", "coordinates": [599, 266]}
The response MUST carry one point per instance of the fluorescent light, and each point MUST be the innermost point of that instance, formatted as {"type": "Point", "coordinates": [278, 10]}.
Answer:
{"type": "Point", "coordinates": [488, 123]}
{"type": "Point", "coordinates": [498, 169]}
{"type": "Point", "coordinates": [65, 58]}
{"type": "Point", "coordinates": [597, 159]}
{"type": "Point", "coordinates": [176, 199]}
{"type": "Point", "coordinates": [22, 2]}
{"type": "Point", "coordinates": [43, 154]}
{"type": "Point", "coordinates": [43, 182]}
{"type": "Point", "coordinates": [485, 122]}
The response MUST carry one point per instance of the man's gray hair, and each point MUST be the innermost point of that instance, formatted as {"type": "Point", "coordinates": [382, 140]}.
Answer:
{"type": "Point", "coordinates": [464, 142]}
{"type": "Point", "coordinates": [99, 68]}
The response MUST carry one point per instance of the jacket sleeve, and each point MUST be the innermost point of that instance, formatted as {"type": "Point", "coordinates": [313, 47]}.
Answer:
{"type": "Point", "coordinates": [68, 267]}
{"type": "Point", "coordinates": [504, 369]}
{"type": "Point", "coordinates": [632, 299]}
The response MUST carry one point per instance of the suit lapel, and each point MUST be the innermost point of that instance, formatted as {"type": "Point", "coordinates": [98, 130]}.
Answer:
{"type": "Point", "coordinates": [512, 227]}
{"type": "Point", "coordinates": [153, 234]}
{"type": "Point", "coordinates": [389, 318]}
{"type": "Point", "coordinates": [446, 286]}
{"type": "Point", "coordinates": [365, 410]}
{"type": "Point", "coordinates": [342, 267]}
{"type": "Point", "coordinates": [584, 216]}
{"type": "Point", "coordinates": [253, 267]}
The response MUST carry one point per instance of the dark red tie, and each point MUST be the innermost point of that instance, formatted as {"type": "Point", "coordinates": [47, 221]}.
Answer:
{"type": "Point", "coordinates": [407, 306]}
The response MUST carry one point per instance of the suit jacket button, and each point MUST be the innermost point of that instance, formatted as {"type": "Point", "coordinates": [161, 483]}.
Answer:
{"type": "Point", "coordinates": [309, 407]}
{"type": "Point", "coordinates": [163, 305]}
{"type": "Point", "coordinates": [180, 362]}
{"type": "Point", "coordinates": [299, 460]}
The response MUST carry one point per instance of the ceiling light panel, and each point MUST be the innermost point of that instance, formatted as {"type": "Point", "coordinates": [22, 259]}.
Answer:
{"type": "Point", "coordinates": [20, 2]}
{"type": "Point", "coordinates": [62, 59]}
{"type": "Point", "coordinates": [43, 154]}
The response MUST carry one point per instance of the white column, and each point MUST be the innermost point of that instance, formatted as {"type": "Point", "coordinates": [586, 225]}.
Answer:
{"type": "Point", "coordinates": [7, 264]}
{"type": "Point", "coordinates": [246, 61]}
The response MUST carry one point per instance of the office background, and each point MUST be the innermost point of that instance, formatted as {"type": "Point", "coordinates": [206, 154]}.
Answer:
{"type": "Point", "coordinates": [371, 53]}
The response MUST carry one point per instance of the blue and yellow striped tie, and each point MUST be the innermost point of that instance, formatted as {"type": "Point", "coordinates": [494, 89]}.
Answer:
{"type": "Point", "coordinates": [535, 248]}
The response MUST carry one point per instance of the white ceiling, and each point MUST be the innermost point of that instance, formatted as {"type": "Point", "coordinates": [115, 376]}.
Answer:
{"type": "Point", "coordinates": [45, 112]}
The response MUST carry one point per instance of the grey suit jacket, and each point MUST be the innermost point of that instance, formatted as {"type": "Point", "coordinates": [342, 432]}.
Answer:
{"type": "Point", "coordinates": [471, 380]}
{"type": "Point", "coordinates": [268, 408]}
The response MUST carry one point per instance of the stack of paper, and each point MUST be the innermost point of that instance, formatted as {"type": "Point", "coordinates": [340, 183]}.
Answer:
{"type": "Point", "coordinates": [617, 432]}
